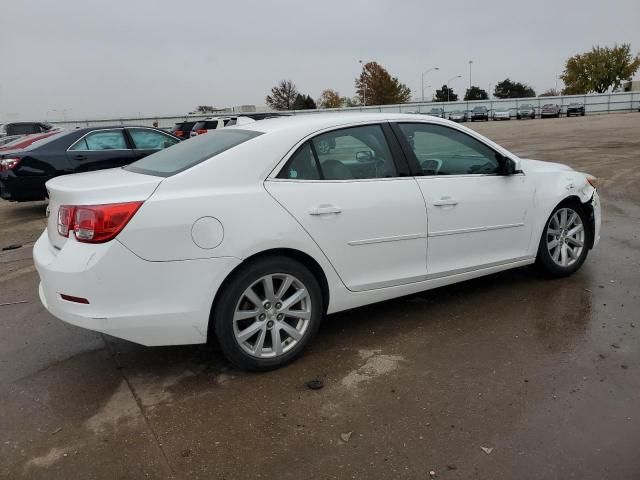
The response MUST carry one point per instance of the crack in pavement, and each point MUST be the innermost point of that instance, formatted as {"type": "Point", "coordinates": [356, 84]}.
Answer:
{"type": "Point", "coordinates": [140, 406]}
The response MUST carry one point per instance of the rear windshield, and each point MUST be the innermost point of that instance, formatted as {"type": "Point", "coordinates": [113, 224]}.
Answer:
{"type": "Point", "coordinates": [185, 155]}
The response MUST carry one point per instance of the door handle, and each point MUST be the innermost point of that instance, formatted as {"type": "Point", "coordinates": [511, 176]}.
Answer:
{"type": "Point", "coordinates": [324, 209]}
{"type": "Point", "coordinates": [80, 157]}
{"type": "Point", "coordinates": [445, 201]}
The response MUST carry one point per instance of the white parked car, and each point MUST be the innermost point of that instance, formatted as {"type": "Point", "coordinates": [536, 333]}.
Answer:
{"type": "Point", "coordinates": [503, 113]}
{"type": "Point", "coordinates": [213, 123]}
{"type": "Point", "coordinates": [251, 234]}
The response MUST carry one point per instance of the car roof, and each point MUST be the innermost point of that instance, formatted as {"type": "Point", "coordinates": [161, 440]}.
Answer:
{"type": "Point", "coordinates": [317, 121]}
{"type": "Point", "coordinates": [111, 127]}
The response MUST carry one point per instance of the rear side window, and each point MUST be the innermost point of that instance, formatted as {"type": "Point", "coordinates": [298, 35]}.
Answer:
{"type": "Point", "coordinates": [302, 166]}
{"type": "Point", "coordinates": [353, 153]}
{"type": "Point", "coordinates": [186, 154]}
{"type": "Point", "coordinates": [211, 125]}
{"type": "Point", "coordinates": [150, 139]}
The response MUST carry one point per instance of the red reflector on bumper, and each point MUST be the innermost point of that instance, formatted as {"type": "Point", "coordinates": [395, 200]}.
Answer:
{"type": "Point", "coordinates": [71, 298]}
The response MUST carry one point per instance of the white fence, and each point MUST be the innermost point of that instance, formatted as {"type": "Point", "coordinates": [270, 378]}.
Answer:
{"type": "Point", "coordinates": [594, 104]}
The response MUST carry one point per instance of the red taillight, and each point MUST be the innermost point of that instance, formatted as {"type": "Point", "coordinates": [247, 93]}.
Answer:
{"type": "Point", "coordinates": [7, 164]}
{"type": "Point", "coordinates": [201, 131]}
{"type": "Point", "coordinates": [179, 133]}
{"type": "Point", "coordinates": [95, 223]}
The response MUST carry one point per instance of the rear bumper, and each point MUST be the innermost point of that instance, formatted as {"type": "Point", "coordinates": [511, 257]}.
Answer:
{"type": "Point", "coordinates": [22, 189]}
{"type": "Point", "coordinates": [151, 303]}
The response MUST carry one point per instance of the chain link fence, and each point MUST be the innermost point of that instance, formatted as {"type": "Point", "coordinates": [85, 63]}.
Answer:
{"type": "Point", "coordinates": [593, 103]}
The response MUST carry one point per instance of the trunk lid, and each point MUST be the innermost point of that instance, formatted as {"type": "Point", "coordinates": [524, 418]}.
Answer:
{"type": "Point", "coordinates": [115, 185]}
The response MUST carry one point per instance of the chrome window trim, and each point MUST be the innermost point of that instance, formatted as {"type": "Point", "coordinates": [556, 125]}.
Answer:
{"type": "Point", "coordinates": [121, 129]}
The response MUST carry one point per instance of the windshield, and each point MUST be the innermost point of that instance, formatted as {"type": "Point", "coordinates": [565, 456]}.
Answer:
{"type": "Point", "coordinates": [479, 109]}
{"type": "Point", "coordinates": [185, 155]}
{"type": "Point", "coordinates": [526, 106]}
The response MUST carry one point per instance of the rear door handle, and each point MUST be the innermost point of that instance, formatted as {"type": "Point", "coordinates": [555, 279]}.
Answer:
{"type": "Point", "coordinates": [80, 157]}
{"type": "Point", "coordinates": [445, 201]}
{"type": "Point", "coordinates": [324, 209]}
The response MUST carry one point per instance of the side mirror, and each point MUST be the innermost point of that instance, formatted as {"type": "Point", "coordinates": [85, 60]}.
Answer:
{"type": "Point", "coordinates": [509, 165]}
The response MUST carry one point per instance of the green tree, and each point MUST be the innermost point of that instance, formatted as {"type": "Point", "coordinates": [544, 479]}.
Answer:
{"type": "Point", "coordinates": [552, 92]}
{"type": "Point", "coordinates": [510, 89]}
{"type": "Point", "coordinates": [445, 94]}
{"type": "Point", "coordinates": [599, 70]}
{"type": "Point", "coordinates": [476, 93]}
{"type": "Point", "coordinates": [304, 102]}
{"type": "Point", "coordinates": [330, 99]}
{"type": "Point", "coordinates": [375, 86]}
{"type": "Point", "coordinates": [283, 95]}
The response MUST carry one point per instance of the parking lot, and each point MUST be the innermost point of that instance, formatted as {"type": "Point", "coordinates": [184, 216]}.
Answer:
{"type": "Point", "coordinates": [508, 376]}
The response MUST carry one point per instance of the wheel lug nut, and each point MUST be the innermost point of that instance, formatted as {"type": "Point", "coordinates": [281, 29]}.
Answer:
{"type": "Point", "coordinates": [278, 305]}
{"type": "Point", "coordinates": [262, 316]}
{"type": "Point", "coordinates": [280, 316]}
{"type": "Point", "coordinates": [267, 305]}
{"type": "Point", "coordinates": [270, 324]}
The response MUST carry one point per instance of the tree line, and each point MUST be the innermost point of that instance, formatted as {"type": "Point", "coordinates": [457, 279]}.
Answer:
{"type": "Point", "coordinates": [596, 71]}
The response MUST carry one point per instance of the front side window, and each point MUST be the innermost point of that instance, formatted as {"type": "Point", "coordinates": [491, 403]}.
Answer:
{"type": "Point", "coordinates": [102, 140]}
{"type": "Point", "coordinates": [445, 151]}
{"type": "Point", "coordinates": [144, 139]}
{"type": "Point", "coordinates": [352, 153]}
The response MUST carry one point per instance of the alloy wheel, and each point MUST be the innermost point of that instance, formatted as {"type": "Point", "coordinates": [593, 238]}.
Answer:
{"type": "Point", "coordinates": [272, 315]}
{"type": "Point", "coordinates": [565, 237]}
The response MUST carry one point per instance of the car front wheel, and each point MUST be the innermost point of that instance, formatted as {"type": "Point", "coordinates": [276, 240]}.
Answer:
{"type": "Point", "coordinates": [564, 243]}
{"type": "Point", "coordinates": [268, 313]}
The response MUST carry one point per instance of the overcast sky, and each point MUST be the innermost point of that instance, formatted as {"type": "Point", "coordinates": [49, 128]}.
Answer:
{"type": "Point", "coordinates": [100, 59]}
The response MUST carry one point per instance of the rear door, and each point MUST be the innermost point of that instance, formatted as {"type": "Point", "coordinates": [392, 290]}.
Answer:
{"type": "Point", "coordinates": [359, 204]}
{"type": "Point", "coordinates": [147, 141]}
{"type": "Point", "coordinates": [100, 149]}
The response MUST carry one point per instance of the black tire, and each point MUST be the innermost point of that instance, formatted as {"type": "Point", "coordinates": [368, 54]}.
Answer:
{"type": "Point", "coordinates": [241, 280]}
{"type": "Point", "coordinates": [545, 262]}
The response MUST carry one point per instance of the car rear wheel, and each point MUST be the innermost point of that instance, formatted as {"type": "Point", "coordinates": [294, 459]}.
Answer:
{"type": "Point", "coordinates": [268, 313]}
{"type": "Point", "coordinates": [564, 243]}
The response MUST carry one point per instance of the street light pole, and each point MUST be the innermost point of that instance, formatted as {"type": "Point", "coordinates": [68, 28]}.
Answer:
{"type": "Point", "coordinates": [449, 89]}
{"type": "Point", "coordinates": [470, 62]}
{"type": "Point", "coordinates": [364, 98]}
{"type": "Point", "coordinates": [422, 79]}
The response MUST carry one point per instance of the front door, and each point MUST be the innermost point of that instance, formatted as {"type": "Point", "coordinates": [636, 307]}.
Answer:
{"type": "Point", "coordinates": [477, 216]}
{"type": "Point", "coordinates": [345, 189]}
{"type": "Point", "coordinates": [100, 149]}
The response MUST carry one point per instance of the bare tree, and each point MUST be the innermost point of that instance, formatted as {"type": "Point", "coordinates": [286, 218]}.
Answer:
{"type": "Point", "coordinates": [283, 95]}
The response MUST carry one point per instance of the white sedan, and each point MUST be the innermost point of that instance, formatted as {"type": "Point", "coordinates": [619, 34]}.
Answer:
{"type": "Point", "coordinates": [252, 234]}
